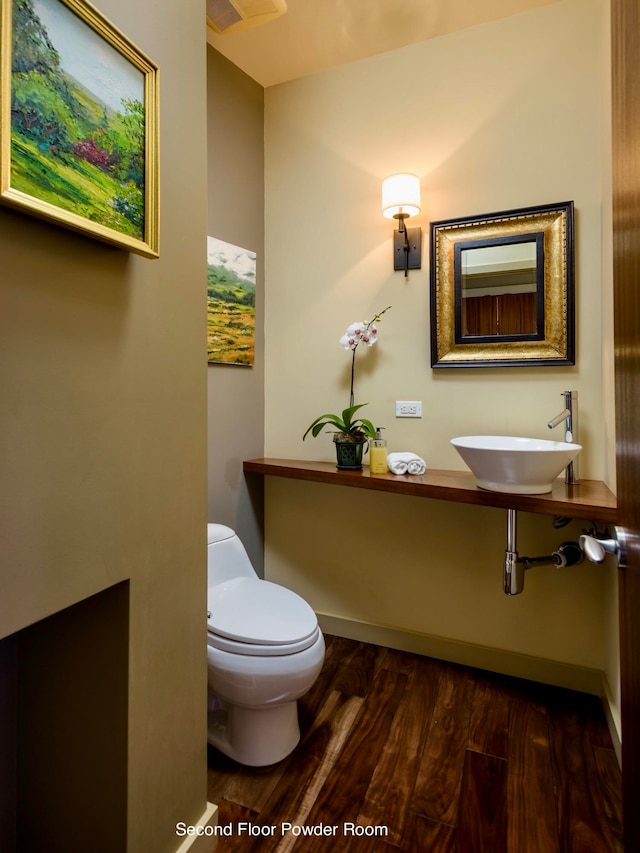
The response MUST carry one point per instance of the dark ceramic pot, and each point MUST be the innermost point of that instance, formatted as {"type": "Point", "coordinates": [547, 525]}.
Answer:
{"type": "Point", "coordinates": [349, 450]}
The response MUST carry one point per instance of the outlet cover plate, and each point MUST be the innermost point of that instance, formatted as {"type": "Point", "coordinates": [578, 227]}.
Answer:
{"type": "Point", "coordinates": [408, 408]}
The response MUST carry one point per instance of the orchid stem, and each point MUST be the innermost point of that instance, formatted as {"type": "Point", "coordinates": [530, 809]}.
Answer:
{"type": "Point", "coordinates": [353, 369]}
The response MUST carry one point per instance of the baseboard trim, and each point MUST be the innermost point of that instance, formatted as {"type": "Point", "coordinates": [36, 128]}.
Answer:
{"type": "Point", "coordinates": [480, 657]}
{"type": "Point", "coordinates": [202, 843]}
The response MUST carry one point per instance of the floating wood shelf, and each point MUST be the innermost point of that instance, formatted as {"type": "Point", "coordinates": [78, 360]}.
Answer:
{"type": "Point", "coordinates": [591, 500]}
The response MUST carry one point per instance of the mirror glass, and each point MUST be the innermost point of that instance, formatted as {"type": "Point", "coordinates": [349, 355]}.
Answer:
{"type": "Point", "coordinates": [498, 295]}
{"type": "Point", "coordinates": [502, 288]}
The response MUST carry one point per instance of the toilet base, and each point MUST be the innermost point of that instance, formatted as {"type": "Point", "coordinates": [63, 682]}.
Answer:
{"type": "Point", "coordinates": [255, 737]}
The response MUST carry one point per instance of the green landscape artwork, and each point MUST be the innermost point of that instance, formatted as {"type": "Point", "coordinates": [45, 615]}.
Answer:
{"type": "Point", "coordinates": [77, 117]}
{"type": "Point", "coordinates": [231, 298]}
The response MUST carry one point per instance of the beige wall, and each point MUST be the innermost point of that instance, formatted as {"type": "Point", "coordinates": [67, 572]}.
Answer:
{"type": "Point", "coordinates": [235, 105]}
{"type": "Point", "coordinates": [103, 466]}
{"type": "Point", "coordinates": [500, 116]}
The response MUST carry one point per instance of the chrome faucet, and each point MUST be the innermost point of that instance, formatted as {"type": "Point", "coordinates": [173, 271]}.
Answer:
{"type": "Point", "coordinates": [570, 417]}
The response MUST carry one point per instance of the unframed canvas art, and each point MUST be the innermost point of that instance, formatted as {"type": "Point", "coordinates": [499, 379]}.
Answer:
{"type": "Point", "coordinates": [231, 296]}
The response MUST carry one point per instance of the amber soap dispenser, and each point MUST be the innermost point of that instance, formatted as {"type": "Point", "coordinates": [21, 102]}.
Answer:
{"type": "Point", "coordinates": [378, 453]}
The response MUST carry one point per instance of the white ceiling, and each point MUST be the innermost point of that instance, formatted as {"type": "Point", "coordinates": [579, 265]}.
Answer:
{"type": "Point", "coordinates": [315, 35]}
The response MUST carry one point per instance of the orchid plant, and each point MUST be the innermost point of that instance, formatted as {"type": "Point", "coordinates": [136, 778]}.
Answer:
{"type": "Point", "coordinates": [346, 424]}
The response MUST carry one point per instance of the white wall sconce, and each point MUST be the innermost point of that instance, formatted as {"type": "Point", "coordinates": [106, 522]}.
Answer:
{"type": "Point", "coordinates": [400, 200]}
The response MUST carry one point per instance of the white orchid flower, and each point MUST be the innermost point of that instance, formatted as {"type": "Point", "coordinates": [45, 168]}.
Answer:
{"type": "Point", "coordinates": [354, 334]}
{"type": "Point", "coordinates": [370, 337]}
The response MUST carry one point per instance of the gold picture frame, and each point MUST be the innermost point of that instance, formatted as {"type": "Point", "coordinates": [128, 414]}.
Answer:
{"type": "Point", "coordinates": [78, 123]}
{"type": "Point", "coordinates": [547, 338]}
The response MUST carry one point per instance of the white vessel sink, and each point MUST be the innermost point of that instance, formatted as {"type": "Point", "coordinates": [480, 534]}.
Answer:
{"type": "Point", "coordinates": [519, 466]}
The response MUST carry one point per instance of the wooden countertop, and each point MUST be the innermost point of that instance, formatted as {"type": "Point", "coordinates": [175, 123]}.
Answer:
{"type": "Point", "coordinates": [590, 500]}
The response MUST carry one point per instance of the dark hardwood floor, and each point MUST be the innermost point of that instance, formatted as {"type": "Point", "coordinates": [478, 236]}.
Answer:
{"type": "Point", "coordinates": [403, 752]}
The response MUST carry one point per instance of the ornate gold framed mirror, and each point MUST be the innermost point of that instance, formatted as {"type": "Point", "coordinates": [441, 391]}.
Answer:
{"type": "Point", "coordinates": [502, 289]}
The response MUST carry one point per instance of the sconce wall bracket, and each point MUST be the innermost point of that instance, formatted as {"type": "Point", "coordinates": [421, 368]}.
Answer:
{"type": "Point", "coordinates": [414, 252]}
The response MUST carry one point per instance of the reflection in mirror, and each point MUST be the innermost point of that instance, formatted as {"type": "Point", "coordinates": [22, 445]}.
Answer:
{"type": "Point", "coordinates": [499, 294]}
{"type": "Point", "coordinates": [502, 288]}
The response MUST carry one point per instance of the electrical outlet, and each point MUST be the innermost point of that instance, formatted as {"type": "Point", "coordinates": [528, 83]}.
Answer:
{"type": "Point", "coordinates": [408, 408]}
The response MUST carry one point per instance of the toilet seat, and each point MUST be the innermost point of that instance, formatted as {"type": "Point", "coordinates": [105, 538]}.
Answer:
{"type": "Point", "coordinates": [249, 616]}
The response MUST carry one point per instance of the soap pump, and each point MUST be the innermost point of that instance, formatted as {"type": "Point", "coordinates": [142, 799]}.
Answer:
{"type": "Point", "coordinates": [378, 453]}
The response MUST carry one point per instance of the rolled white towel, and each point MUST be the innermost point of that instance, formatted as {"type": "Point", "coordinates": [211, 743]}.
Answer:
{"type": "Point", "coordinates": [396, 463]}
{"type": "Point", "coordinates": [417, 466]}
{"type": "Point", "coordinates": [406, 463]}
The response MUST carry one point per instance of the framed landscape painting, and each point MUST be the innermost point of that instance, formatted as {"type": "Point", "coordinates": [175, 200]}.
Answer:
{"type": "Point", "coordinates": [231, 300]}
{"type": "Point", "coordinates": [78, 123]}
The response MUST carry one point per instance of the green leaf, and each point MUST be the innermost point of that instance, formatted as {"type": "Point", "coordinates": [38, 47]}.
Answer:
{"type": "Point", "coordinates": [316, 427]}
{"type": "Point", "coordinates": [369, 428]}
{"type": "Point", "coordinates": [345, 424]}
{"type": "Point", "coordinates": [347, 416]}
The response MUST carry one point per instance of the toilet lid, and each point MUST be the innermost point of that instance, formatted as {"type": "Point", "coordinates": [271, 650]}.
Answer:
{"type": "Point", "coordinates": [248, 610]}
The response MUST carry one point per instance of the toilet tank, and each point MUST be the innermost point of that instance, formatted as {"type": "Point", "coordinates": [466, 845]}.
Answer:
{"type": "Point", "coordinates": [226, 556]}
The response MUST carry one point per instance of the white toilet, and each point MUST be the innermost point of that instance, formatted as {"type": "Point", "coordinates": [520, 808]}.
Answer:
{"type": "Point", "coordinates": [264, 650]}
